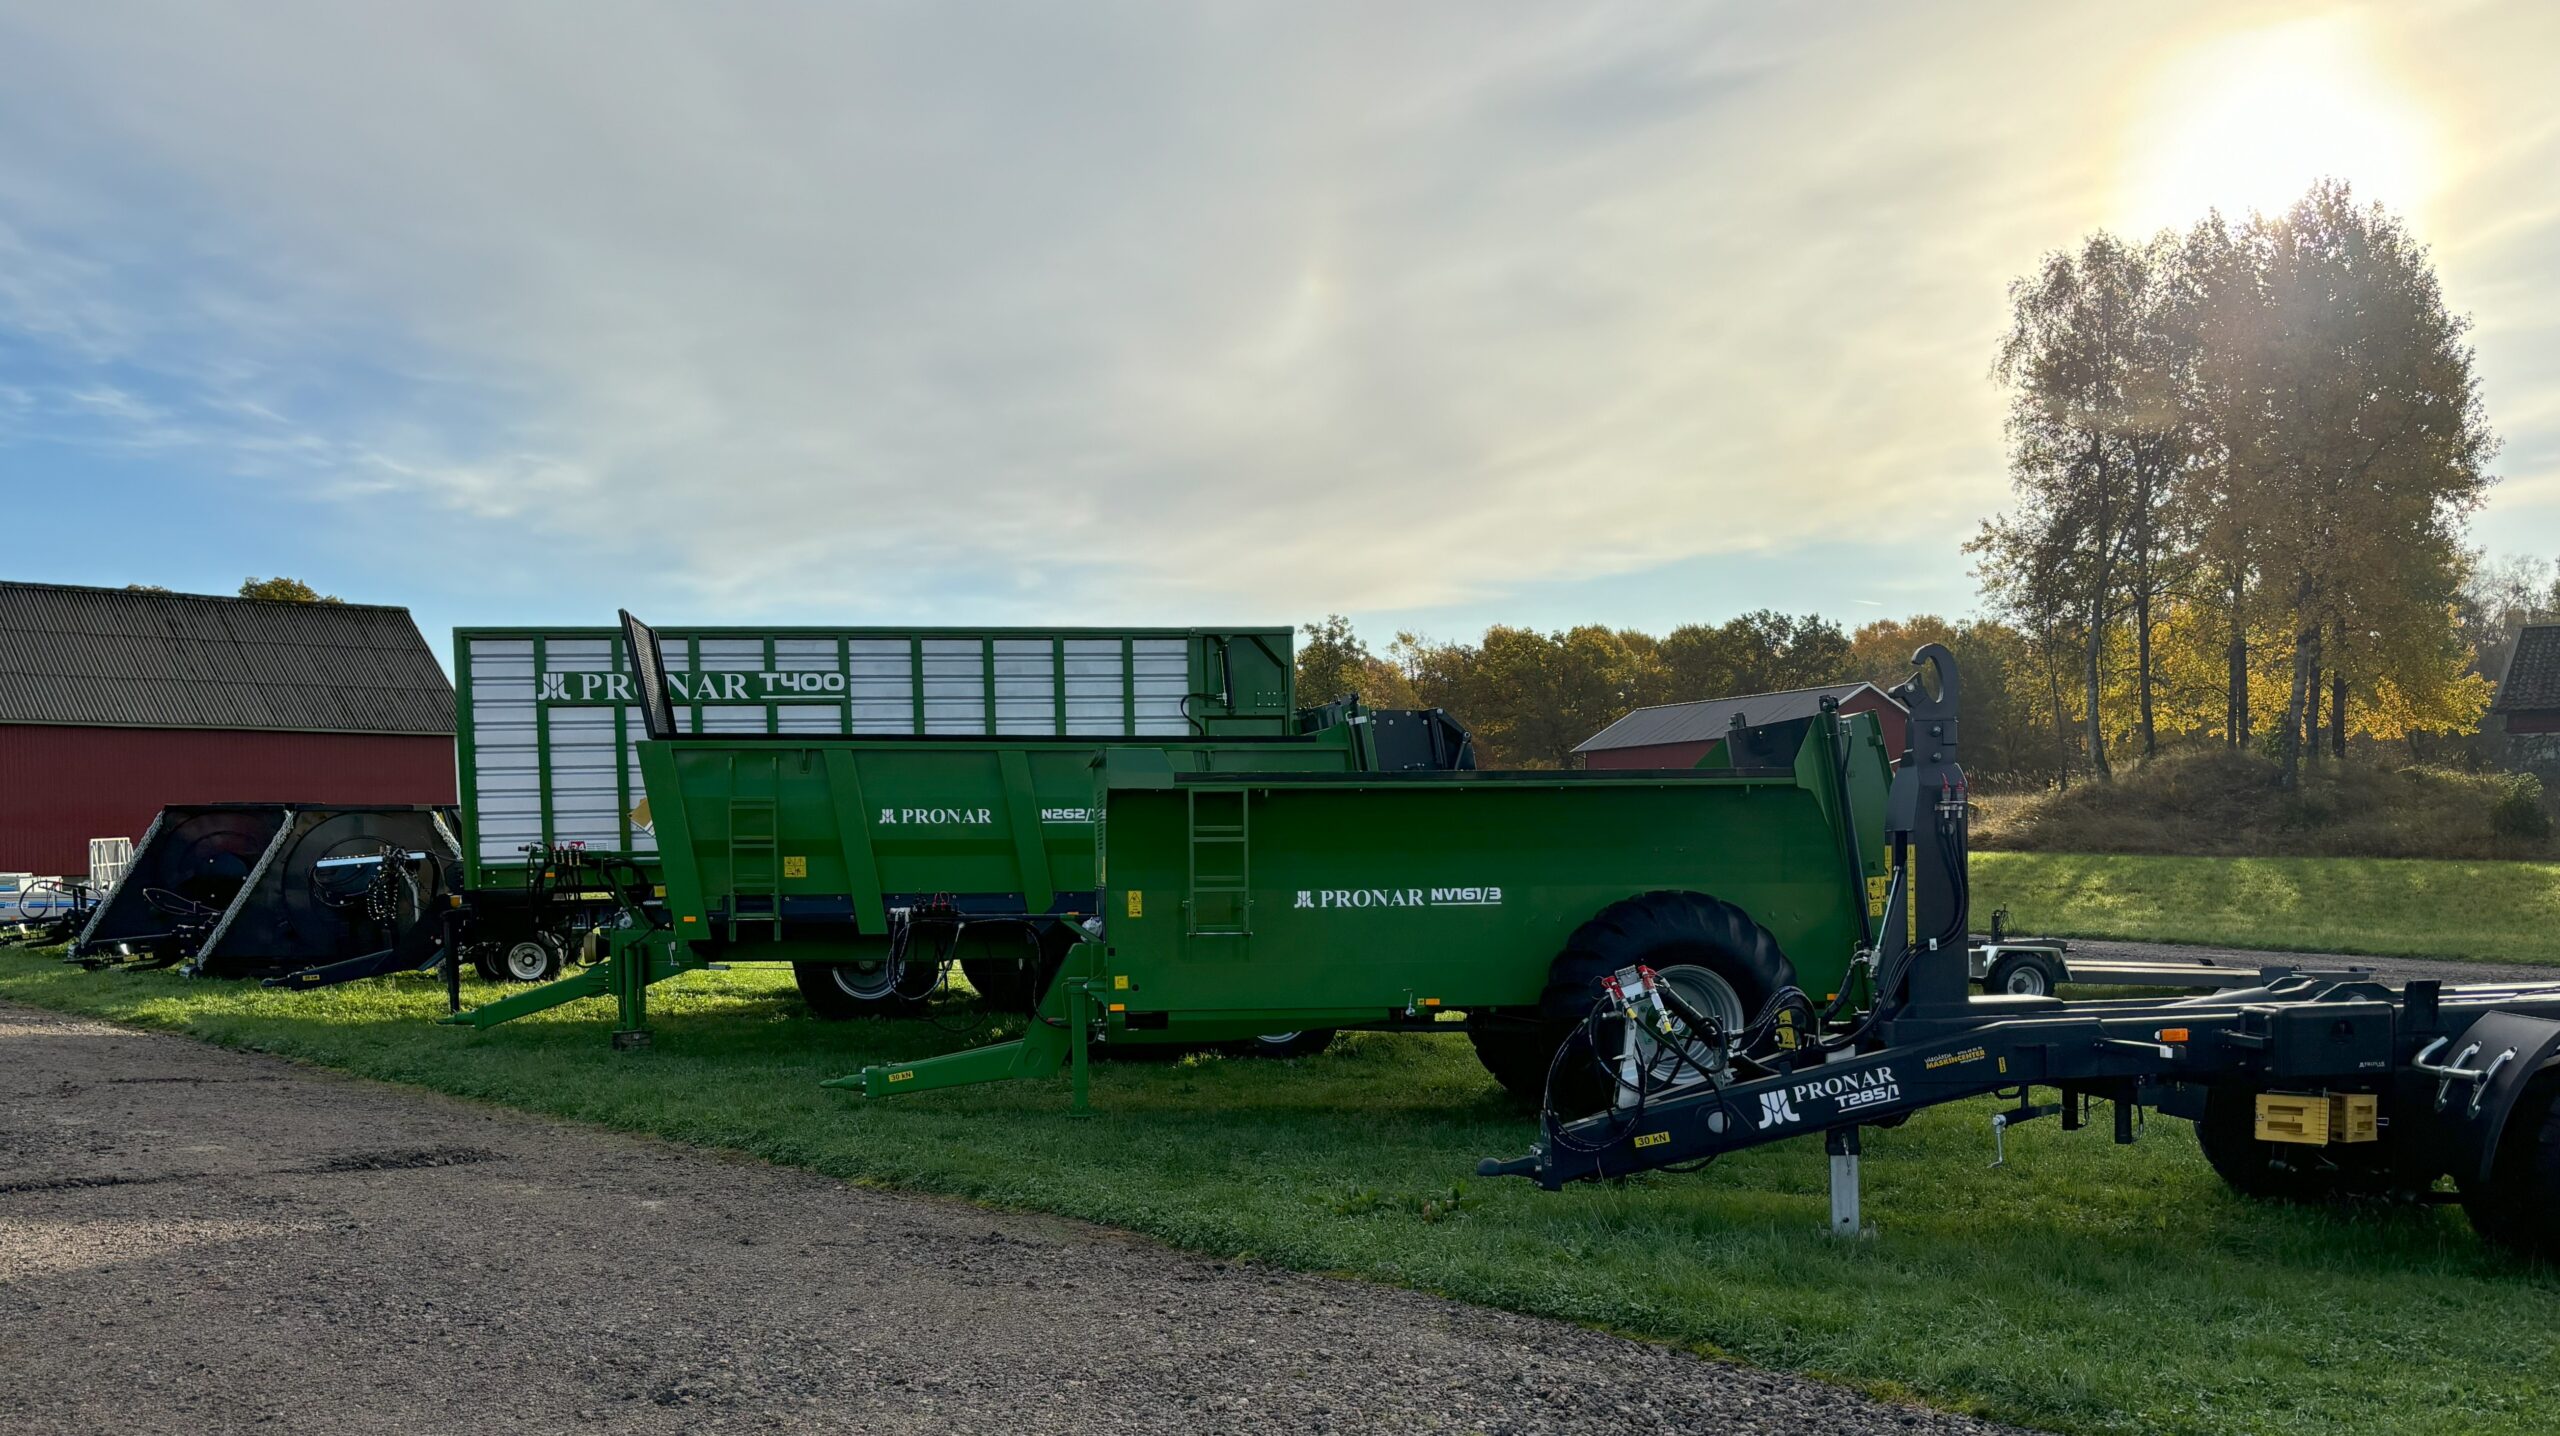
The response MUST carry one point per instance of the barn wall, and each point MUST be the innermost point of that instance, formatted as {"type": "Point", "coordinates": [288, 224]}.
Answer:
{"type": "Point", "coordinates": [1651, 755]}
{"type": "Point", "coordinates": [62, 786]}
{"type": "Point", "coordinates": [1889, 716]}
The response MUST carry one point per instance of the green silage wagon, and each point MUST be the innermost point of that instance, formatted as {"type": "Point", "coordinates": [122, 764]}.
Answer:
{"type": "Point", "coordinates": [874, 863]}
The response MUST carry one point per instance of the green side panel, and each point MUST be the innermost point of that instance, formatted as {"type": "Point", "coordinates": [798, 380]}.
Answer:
{"type": "Point", "coordinates": [1388, 893]}
{"type": "Point", "coordinates": [852, 835]}
{"type": "Point", "coordinates": [860, 825]}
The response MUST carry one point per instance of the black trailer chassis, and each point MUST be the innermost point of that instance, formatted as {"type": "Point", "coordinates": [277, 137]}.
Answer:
{"type": "Point", "coordinates": [2306, 1085]}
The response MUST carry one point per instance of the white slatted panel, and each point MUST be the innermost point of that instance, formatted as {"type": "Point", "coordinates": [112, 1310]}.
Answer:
{"type": "Point", "coordinates": [955, 685]}
{"type": "Point", "coordinates": [586, 792]}
{"type": "Point", "coordinates": [1162, 667]}
{"type": "Point", "coordinates": [1095, 700]}
{"type": "Point", "coordinates": [506, 796]}
{"type": "Point", "coordinates": [884, 689]}
{"type": "Point", "coordinates": [1026, 687]}
{"type": "Point", "coordinates": [643, 841]}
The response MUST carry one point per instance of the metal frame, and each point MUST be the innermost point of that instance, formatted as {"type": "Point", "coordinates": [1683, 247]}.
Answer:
{"type": "Point", "coordinates": [1928, 1042]}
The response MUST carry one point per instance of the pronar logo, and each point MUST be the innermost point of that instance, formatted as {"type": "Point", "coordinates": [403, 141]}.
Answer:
{"type": "Point", "coordinates": [1320, 899]}
{"type": "Point", "coordinates": [936, 817]}
{"type": "Point", "coordinates": [1775, 1110]}
{"type": "Point", "coordinates": [1871, 1087]}
{"type": "Point", "coordinates": [769, 686]}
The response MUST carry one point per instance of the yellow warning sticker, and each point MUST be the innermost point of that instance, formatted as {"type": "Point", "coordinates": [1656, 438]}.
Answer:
{"type": "Point", "coordinates": [906, 1076]}
{"type": "Point", "coordinates": [1137, 903]}
{"type": "Point", "coordinates": [1652, 1139]}
{"type": "Point", "coordinates": [1119, 982]}
{"type": "Point", "coordinates": [795, 867]}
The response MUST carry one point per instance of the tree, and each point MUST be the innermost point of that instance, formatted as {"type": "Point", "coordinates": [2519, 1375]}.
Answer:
{"type": "Point", "coordinates": [2096, 447]}
{"type": "Point", "coordinates": [286, 590]}
{"type": "Point", "coordinates": [1329, 661]}
{"type": "Point", "coordinates": [2358, 441]}
{"type": "Point", "coordinates": [1763, 651]}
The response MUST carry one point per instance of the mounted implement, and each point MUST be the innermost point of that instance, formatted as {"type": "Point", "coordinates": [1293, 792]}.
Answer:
{"type": "Point", "coordinates": [300, 894]}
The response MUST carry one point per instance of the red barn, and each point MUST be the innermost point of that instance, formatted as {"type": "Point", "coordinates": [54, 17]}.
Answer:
{"type": "Point", "coordinates": [114, 702]}
{"type": "Point", "coordinates": [1677, 735]}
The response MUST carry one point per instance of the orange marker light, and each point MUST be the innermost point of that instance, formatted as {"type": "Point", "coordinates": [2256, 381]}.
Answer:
{"type": "Point", "coordinates": [688, 919]}
{"type": "Point", "coordinates": [2173, 1034]}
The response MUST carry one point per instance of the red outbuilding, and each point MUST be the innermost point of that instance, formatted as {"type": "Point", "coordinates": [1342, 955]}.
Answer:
{"type": "Point", "coordinates": [1677, 735]}
{"type": "Point", "coordinates": [115, 702]}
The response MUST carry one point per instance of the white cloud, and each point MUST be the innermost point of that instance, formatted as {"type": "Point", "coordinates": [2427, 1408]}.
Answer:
{"type": "Point", "coordinates": [1096, 311]}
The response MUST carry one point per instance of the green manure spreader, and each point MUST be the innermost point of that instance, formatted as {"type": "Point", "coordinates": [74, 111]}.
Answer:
{"type": "Point", "coordinates": [1232, 904]}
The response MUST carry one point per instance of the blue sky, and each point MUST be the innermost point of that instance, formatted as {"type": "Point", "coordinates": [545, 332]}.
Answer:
{"type": "Point", "coordinates": [1436, 316]}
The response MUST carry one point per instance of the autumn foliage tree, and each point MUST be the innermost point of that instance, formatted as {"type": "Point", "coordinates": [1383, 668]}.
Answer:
{"type": "Point", "coordinates": [2259, 441]}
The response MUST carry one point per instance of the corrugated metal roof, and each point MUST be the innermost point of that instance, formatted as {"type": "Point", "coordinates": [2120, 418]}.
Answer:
{"type": "Point", "coordinates": [133, 658]}
{"type": "Point", "coordinates": [2533, 671]}
{"type": "Point", "coordinates": [1711, 718]}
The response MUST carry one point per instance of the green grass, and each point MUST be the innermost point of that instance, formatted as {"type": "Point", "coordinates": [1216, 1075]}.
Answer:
{"type": "Point", "coordinates": [2083, 1287]}
{"type": "Point", "coordinates": [2380, 907]}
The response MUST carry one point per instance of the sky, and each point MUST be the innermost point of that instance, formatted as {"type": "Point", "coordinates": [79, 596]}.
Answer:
{"type": "Point", "coordinates": [1432, 315]}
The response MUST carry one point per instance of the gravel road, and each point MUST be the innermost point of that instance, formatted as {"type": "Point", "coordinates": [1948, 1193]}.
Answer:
{"type": "Point", "coordinates": [194, 1240]}
{"type": "Point", "coordinates": [2389, 969]}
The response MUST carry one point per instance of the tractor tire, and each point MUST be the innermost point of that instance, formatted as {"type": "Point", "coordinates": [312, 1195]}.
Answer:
{"type": "Point", "coordinates": [2022, 974]}
{"type": "Point", "coordinates": [843, 991]}
{"type": "Point", "coordinates": [1721, 946]}
{"type": "Point", "coordinates": [1285, 1044]}
{"type": "Point", "coordinates": [2519, 1206]}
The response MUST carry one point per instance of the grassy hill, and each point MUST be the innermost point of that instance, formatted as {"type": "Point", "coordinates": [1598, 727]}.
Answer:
{"type": "Point", "coordinates": [2220, 803]}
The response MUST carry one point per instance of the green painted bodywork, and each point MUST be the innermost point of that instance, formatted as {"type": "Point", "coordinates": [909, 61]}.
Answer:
{"type": "Point", "coordinates": [784, 850]}
{"type": "Point", "coordinates": [545, 725]}
{"type": "Point", "coordinates": [1006, 827]}
{"type": "Point", "coordinates": [1234, 905]}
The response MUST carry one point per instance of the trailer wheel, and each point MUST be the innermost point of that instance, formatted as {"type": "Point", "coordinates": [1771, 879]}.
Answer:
{"type": "Point", "coordinates": [1711, 950]}
{"type": "Point", "coordinates": [527, 959]}
{"type": "Point", "coordinates": [1286, 1044]}
{"type": "Point", "coordinates": [2519, 1207]}
{"type": "Point", "coordinates": [842, 991]}
{"type": "Point", "coordinates": [2022, 974]}
{"type": "Point", "coordinates": [1001, 982]}
{"type": "Point", "coordinates": [2266, 1171]}
{"type": "Point", "coordinates": [1009, 984]}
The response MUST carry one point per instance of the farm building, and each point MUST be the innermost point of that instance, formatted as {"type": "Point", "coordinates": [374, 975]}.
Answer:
{"type": "Point", "coordinates": [1677, 735]}
{"type": "Point", "coordinates": [2526, 711]}
{"type": "Point", "coordinates": [115, 702]}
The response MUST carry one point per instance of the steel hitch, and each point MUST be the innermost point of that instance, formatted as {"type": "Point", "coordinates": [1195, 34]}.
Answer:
{"type": "Point", "coordinates": [2025, 1111]}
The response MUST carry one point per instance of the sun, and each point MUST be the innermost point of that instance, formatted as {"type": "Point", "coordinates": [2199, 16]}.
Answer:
{"type": "Point", "coordinates": [2249, 120]}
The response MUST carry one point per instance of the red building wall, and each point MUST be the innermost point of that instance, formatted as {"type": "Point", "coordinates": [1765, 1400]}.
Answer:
{"type": "Point", "coordinates": [1686, 755]}
{"type": "Point", "coordinates": [62, 786]}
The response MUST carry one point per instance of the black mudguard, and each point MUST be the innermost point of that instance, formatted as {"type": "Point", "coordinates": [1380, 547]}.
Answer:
{"type": "Point", "coordinates": [2465, 1120]}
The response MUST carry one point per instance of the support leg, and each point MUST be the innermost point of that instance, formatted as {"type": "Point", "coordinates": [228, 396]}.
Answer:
{"type": "Point", "coordinates": [1079, 1040]}
{"type": "Point", "coordinates": [1842, 1144]}
{"type": "Point", "coordinates": [632, 961]}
